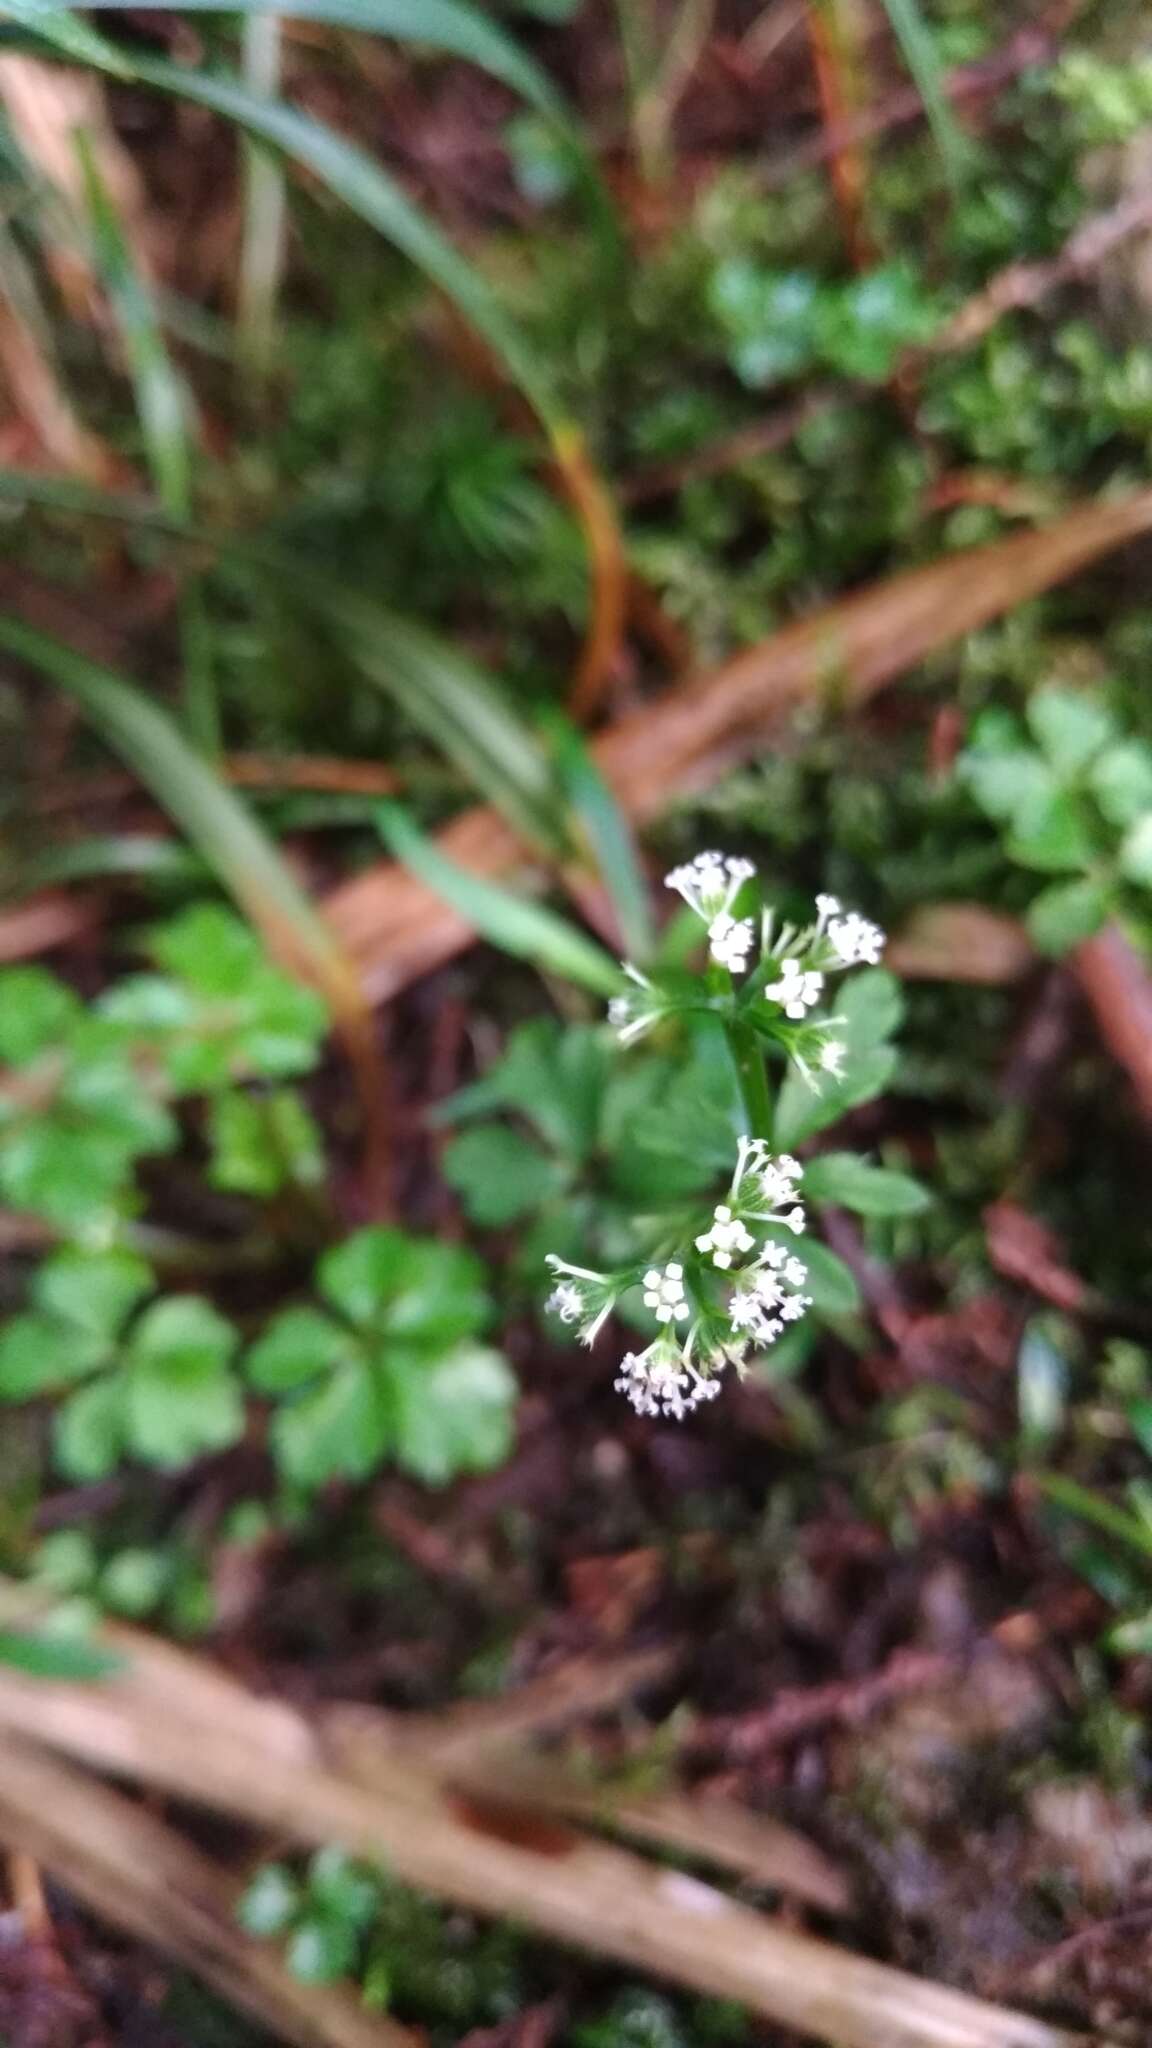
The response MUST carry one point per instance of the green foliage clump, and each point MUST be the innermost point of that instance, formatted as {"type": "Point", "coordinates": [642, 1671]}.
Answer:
{"type": "Point", "coordinates": [1072, 796]}
{"type": "Point", "coordinates": [782, 324]}
{"type": "Point", "coordinates": [392, 1366]}
{"type": "Point", "coordinates": [342, 1918]}
{"type": "Point", "coordinates": [1109, 101]}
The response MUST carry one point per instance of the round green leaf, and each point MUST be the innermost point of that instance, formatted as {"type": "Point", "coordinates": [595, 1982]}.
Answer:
{"type": "Point", "coordinates": [1066, 913]}
{"type": "Point", "coordinates": [38, 1353]}
{"type": "Point", "coordinates": [297, 1347]}
{"type": "Point", "coordinates": [344, 1427]}
{"type": "Point", "coordinates": [455, 1414]}
{"type": "Point", "coordinates": [498, 1174]}
{"type": "Point", "coordinates": [270, 1902]}
{"type": "Point", "coordinates": [37, 1014]}
{"type": "Point", "coordinates": [93, 1290]}
{"type": "Point", "coordinates": [90, 1429]}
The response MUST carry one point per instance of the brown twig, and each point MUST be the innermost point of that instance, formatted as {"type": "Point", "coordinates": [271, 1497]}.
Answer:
{"type": "Point", "coordinates": [798, 1711]}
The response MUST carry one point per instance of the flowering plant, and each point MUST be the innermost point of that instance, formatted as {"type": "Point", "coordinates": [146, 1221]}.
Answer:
{"type": "Point", "coordinates": [726, 1281]}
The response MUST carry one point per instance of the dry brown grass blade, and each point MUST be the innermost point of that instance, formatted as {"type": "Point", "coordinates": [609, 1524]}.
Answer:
{"type": "Point", "coordinates": [396, 930]}
{"type": "Point", "coordinates": [131, 1870]}
{"type": "Point", "coordinates": [961, 942]}
{"type": "Point", "coordinates": [591, 501]}
{"type": "Point", "coordinates": [1118, 986]}
{"type": "Point", "coordinates": [557, 1883]}
{"type": "Point", "coordinates": [35, 396]}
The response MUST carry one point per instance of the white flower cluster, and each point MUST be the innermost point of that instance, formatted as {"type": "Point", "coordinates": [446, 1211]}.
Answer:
{"type": "Point", "coordinates": [795, 960]}
{"type": "Point", "coordinates": [736, 1287]}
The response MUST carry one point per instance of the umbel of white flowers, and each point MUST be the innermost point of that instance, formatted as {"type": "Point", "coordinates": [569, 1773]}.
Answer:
{"type": "Point", "coordinates": [797, 960]}
{"type": "Point", "coordinates": [734, 1286]}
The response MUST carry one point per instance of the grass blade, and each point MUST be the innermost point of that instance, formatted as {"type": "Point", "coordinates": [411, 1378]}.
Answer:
{"type": "Point", "coordinates": [519, 927]}
{"type": "Point", "coordinates": [448, 25]}
{"type": "Point", "coordinates": [609, 838]}
{"type": "Point", "coordinates": [265, 216]}
{"type": "Point", "coordinates": [919, 51]}
{"type": "Point", "coordinates": [162, 399]}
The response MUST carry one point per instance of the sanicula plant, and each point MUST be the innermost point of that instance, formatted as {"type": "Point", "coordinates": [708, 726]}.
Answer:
{"type": "Point", "coordinates": [724, 1283]}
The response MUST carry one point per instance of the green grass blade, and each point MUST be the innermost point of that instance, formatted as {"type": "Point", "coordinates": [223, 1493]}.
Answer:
{"type": "Point", "coordinates": [264, 240]}
{"type": "Point", "coordinates": [523, 929]}
{"type": "Point", "coordinates": [162, 399]}
{"type": "Point", "coordinates": [73, 38]}
{"type": "Point", "coordinates": [919, 50]}
{"type": "Point", "coordinates": [454, 702]}
{"type": "Point", "coordinates": [457, 704]}
{"type": "Point", "coordinates": [367, 189]}
{"type": "Point", "coordinates": [447, 25]}
{"type": "Point", "coordinates": [56, 1656]}
{"type": "Point", "coordinates": [213, 817]}
{"type": "Point", "coordinates": [608, 836]}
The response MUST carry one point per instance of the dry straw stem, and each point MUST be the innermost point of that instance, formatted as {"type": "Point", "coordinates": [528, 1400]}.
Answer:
{"type": "Point", "coordinates": [130, 1869]}
{"type": "Point", "coordinates": [169, 1722]}
{"type": "Point", "coordinates": [395, 929]}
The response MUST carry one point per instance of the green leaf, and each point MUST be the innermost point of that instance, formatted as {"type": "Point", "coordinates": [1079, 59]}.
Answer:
{"type": "Point", "coordinates": [37, 1014]}
{"type": "Point", "coordinates": [270, 1903]}
{"type": "Point", "coordinates": [1042, 1376]}
{"type": "Point", "coordinates": [404, 1288]}
{"type": "Point", "coordinates": [90, 1429]}
{"type": "Point", "coordinates": [343, 1427]}
{"type": "Point", "coordinates": [342, 1888]}
{"type": "Point", "coordinates": [455, 1414]}
{"type": "Point", "coordinates": [1070, 727]}
{"type": "Point", "coordinates": [209, 948]}
{"type": "Point", "coordinates": [868, 1190]}
{"type": "Point", "coordinates": [499, 1174]}
{"type": "Point", "coordinates": [54, 1168]}
{"type": "Point", "coordinates": [133, 1582]}
{"type": "Point", "coordinates": [871, 1006]}
{"type": "Point", "coordinates": [64, 1658]}
{"type": "Point", "coordinates": [1136, 853]}
{"type": "Point", "coordinates": [38, 1353]}
{"type": "Point", "coordinates": [322, 1949]}
{"type": "Point", "coordinates": [93, 1290]}
{"type": "Point", "coordinates": [1007, 781]}
{"type": "Point", "coordinates": [831, 1284]}
{"type": "Point", "coordinates": [298, 1346]}
{"type": "Point", "coordinates": [263, 1143]}
{"type": "Point", "coordinates": [1052, 835]}
{"type": "Point", "coordinates": [609, 836]}
{"type": "Point", "coordinates": [552, 1074]}
{"type": "Point", "coordinates": [865, 325]}
{"type": "Point", "coordinates": [1121, 781]}
{"type": "Point", "coordinates": [1067, 912]}
{"type": "Point", "coordinates": [180, 1396]}
{"type": "Point", "coordinates": [520, 928]}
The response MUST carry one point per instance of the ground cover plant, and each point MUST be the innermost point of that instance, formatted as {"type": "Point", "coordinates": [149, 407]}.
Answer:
{"type": "Point", "coordinates": [575, 1005]}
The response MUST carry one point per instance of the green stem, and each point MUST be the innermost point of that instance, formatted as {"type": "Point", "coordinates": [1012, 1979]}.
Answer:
{"type": "Point", "coordinates": [748, 1060]}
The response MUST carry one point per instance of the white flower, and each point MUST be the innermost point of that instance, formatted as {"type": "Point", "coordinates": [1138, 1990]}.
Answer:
{"type": "Point", "coordinates": [826, 907]}
{"type": "Point", "coordinates": [730, 941]}
{"type": "Point", "coordinates": [725, 1235]}
{"type": "Point", "coordinates": [832, 1056]}
{"type": "Point", "coordinates": [634, 1011]}
{"type": "Point", "coordinates": [776, 1180]}
{"type": "Point", "coordinates": [594, 1299]}
{"type": "Point", "coordinates": [855, 940]}
{"type": "Point", "coordinates": [661, 1381]}
{"type": "Point", "coordinates": [797, 989]}
{"type": "Point", "coordinates": [664, 1292]}
{"type": "Point", "coordinates": [767, 1297]}
{"type": "Point", "coordinates": [710, 883]}
{"type": "Point", "coordinates": [566, 1301]}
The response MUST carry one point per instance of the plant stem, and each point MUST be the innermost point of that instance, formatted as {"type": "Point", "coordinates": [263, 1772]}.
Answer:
{"type": "Point", "coordinates": [748, 1060]}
